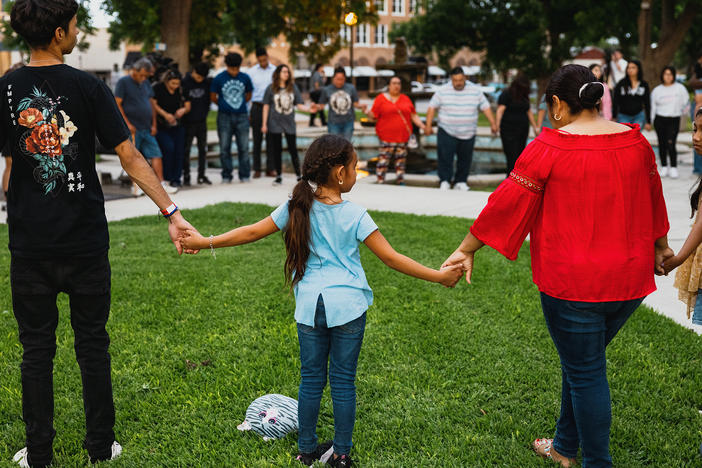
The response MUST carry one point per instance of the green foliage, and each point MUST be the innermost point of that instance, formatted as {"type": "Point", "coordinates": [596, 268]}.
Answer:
{"type": "Point", "coordinates": [534, 36]}
{"type": "Point", "coordinates": [463, 377]}
{"type": "Point", "coordinates": [311, 27]}
{"type": "Point", "coordinates": [12, 41]}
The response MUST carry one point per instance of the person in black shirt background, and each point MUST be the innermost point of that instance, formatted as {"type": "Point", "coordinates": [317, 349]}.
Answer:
{"type": "Point", "coordinates": [513, 118]}
{"type": "Point", "coordinates": [50, 114]}
{"type": "Point", "coordinates": [631, 100]}
{"type": "Point", "coordinates": [171, 107]}
{"type": "Point", "coordinates": [196, 89]}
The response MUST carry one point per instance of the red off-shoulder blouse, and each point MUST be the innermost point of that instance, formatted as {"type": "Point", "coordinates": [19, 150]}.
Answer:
{"type": "Point", "coordinates": [593, 205]}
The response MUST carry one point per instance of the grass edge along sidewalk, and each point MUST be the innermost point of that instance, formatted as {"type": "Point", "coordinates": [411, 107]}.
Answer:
{"type": "Point", "coordinates": [464, 377]}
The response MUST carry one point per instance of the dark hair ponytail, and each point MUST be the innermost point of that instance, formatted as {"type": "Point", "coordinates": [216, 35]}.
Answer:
{"type": "Point", "coordinates": [577, 86]}
{"type": "Point", "coordinates": [325, 153]}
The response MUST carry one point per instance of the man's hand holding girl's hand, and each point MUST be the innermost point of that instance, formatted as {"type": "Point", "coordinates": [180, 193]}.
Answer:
{"type": "Point", "coordinates": [193, 240]}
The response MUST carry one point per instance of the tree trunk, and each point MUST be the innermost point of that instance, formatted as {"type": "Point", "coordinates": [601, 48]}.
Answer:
{"type": "Point", "coordinates": [672, 34]}
{"type": "Point", "coordinates": [175, 31]}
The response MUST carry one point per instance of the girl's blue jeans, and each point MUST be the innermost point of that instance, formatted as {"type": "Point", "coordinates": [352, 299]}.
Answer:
{"type": "Point", "coordinates": [339, 347]}
{"type": "Point", "coordinates": [581, 332]}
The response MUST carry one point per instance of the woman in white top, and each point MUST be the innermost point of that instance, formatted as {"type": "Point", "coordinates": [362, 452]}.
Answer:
{"type": "Point", "coordinates": [668, 103]}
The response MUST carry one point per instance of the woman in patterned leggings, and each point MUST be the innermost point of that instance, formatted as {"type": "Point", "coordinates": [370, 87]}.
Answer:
{"type": "Point", "coordinates": [395, 114]}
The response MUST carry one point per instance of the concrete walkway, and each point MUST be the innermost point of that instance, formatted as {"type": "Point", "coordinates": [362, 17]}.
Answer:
{"type": "Point", "coordinates": [419, 201]}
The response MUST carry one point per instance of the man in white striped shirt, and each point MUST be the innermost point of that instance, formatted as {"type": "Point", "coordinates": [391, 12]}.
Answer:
{"type": "Point", "coordinates": [458, 107]}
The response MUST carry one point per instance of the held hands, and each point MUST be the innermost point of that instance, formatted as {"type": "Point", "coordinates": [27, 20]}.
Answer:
{"type": "Point", "coordinates": [427, 130]}
{"type": "Point", "coordinates": [192, 240]}
{"type": "Point", "coordinates": [670, 264]}
{"type": "Point", "coordinates": [666, 260]}
{"type": "Point", "coordinates": [170, 118]}
{"type": "Point", "coordinates": [177, 226]}
{"type": "Point", "coordinates": [465, 260]}
{"type": "Point", "coordinates": [450, 275]}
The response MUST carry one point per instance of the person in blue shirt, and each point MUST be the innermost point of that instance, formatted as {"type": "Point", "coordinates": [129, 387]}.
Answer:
{"type": "Point", "coordinates": [231, 90]}
{"type": "Point", "coordinates": [323, 267]}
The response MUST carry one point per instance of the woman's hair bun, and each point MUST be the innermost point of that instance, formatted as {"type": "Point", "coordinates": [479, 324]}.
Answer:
{"type": "Point", "coordinates": [591, 93]}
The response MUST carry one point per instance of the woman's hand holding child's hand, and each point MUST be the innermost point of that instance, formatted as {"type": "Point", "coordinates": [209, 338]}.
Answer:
{"type": "Point", "coordinates": [193, 240]}
{"type": "Point", "coordinates": [671, 263]}
{"type": "Point", "coordinates": [450, 275]}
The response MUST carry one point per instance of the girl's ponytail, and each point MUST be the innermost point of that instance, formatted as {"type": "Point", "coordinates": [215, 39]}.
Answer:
{"type": "Point", "coordinates": [325, 153]}
{"type": "Point", "coordinates": [297, 234]}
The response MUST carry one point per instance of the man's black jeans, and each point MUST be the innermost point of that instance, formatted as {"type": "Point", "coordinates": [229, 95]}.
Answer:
{"type": "Point", "coordinates": [35, 287]}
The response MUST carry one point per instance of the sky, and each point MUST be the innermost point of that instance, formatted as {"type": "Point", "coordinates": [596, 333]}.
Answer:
{"type": "Point", "coordinates": [100, 18]}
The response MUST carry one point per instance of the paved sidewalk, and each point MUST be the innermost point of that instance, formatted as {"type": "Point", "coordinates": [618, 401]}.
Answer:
{"type": "Point", "coordinates": [413, 200]}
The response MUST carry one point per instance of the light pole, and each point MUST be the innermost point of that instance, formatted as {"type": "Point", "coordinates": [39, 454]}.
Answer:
{"type": "Point", "coordinates": [350, 20]}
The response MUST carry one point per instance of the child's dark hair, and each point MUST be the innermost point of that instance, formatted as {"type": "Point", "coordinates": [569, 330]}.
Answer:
{"type": "Point", "coordinates": [697, 191]}
{"type": "Point", "coordinates": [325, 153]}
{"type": "Point", "coordinates": [577, 86]}
{"type": "Point", "coordinates": [36, 21]}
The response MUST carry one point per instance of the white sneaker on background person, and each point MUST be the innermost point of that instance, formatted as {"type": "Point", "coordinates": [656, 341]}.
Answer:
{"type": "Point", "coordinates": [444, 185]}
{"type": "Point", "coordinates": [137, 191]}
{"type": "Point", "coordinates": [462, 186]}
{"type": "Point", "coordinates": [168, 188]}
{"type": "Point", "coordinates": [673, 174]}
{"type": "Point", "coordinates": [115, 451]}
{"type": "Point", "coordinates": [663, 171]}
{"type": "Point", "coordinates": [21, 458]}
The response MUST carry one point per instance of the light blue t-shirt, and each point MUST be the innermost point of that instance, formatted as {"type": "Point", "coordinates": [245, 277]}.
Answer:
{"type": "Point", "coordinates": [334, 267]}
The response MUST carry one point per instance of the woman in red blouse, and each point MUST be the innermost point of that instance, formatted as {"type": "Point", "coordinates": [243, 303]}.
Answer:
{"type": "Point", "coordinates": [589, 195]}
{"type": "Point", "coordinates": [395, 114]}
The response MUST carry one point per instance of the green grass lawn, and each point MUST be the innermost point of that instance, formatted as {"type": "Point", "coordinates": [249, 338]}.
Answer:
{"type": "Point", "coordinates": [447, 378]}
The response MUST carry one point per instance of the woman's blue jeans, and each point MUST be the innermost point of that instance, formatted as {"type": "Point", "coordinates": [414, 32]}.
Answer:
{"type": "Point", "coordinates": [581, 332]}
{"type": "Point", "coordinates": [340, 346]}
{"type": "Point", "coordinates": [639, 118]}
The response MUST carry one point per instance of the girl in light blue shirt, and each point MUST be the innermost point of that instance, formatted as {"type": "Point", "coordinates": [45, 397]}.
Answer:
{"type": "Point", "coordinates": [323, 266]}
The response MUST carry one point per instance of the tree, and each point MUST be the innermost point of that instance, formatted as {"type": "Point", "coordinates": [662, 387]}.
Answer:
{"type": "Point", "coordinates": [143, 21]}
{"type": "Point", "coordinates": [537, 36]}
{"type": "Point", "coordinates": [310, 26]}
{"type": "Point", "coordinates": [12, 41]}
{"type": "Point", "coordinates": [676, 20]}
{"type": "Point", "coordinates": [534, 36]}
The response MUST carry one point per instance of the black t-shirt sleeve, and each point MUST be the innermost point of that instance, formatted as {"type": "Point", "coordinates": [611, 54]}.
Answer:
{"type": "Point", "coordinates": [109, 124]}
{"type": "Point", "coordinates": [504, 100]}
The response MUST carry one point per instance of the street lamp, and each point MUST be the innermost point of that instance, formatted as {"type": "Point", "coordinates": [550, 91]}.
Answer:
{"type": "Point", "coordinates": [350, 20]}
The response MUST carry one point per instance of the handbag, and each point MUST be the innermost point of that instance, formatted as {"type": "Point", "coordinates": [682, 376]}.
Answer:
{"type": "Point", "coordinates": [412, 143]}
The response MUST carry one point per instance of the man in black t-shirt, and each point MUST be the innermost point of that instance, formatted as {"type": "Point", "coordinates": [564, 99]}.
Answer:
{"type": "Point", "coordinates": [196, 89]}
{"type": "Point", "coordinates": [51, 114]}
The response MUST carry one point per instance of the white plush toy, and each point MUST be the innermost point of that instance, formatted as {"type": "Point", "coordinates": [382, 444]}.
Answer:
{"type": "Point", "coordinates": [272, 416]}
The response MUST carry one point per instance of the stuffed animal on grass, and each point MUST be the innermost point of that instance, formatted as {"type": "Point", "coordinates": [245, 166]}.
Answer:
{"type": "Point", "coordinates": [272, 416]}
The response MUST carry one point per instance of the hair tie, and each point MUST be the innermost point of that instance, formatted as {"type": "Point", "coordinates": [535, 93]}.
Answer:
{"type": "Point", "coordinates": [582, 88]}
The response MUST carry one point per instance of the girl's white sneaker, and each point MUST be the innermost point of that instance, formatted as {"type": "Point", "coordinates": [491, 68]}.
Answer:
{"type": "Point", "coordinates": [674, 173]}
{"type": "Point", "coordinates": [663, 171]}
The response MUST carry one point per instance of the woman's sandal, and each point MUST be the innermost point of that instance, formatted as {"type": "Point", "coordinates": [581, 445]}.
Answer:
{"type": "Point", "coordinates": [542, 447]}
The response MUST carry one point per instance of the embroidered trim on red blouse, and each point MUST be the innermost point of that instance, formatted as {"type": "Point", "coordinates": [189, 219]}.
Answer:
{"type": "Point", "coordinates": [526, 182]}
